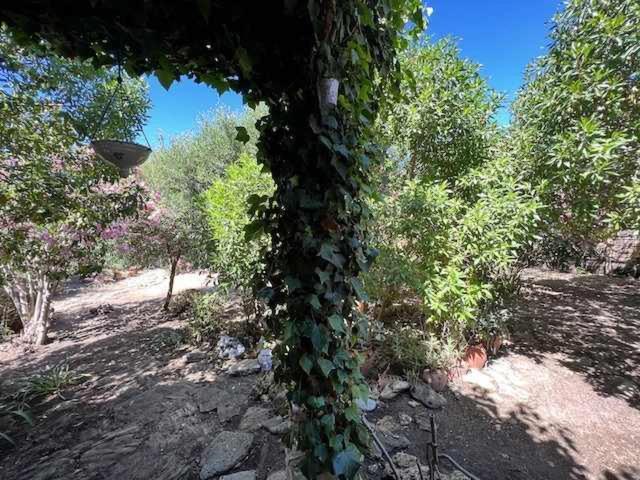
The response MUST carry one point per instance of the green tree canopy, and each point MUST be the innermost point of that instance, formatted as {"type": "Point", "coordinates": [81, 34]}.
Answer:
{"type": "Point", "coordinates": [183, 169]}
{"type": "Point", "coordinates": [80, 91]}
{"type": "Point", "coordinates": [577, 120]}
{"type": "Point", "coordinates": [444, 124]}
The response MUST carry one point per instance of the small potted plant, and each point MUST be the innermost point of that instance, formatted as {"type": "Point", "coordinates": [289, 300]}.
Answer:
{"type": "Point", "coordinates": [491, 330]}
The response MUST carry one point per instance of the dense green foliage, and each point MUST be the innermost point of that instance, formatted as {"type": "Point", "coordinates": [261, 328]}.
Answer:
{"type": "Point", "coordinates": [577, 120]}
{"type": "Point", "coordinates": [181, 171]}
{"type": "Point", "coordinates": [456, 247]}
{"type": "Point", "coordinates": [226, 203]}
{"type": "Point", "coordinates": [444, 125]}
{"type": "Point", "coordinates": [454, 215]}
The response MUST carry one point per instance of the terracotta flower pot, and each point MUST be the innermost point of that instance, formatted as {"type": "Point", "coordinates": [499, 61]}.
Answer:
{"type": "Point", "coordinates": [475, 356]}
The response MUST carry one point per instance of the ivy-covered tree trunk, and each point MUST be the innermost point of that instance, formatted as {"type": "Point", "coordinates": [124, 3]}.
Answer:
{"type": "Point", "coordinates": [32, 296]}
{"type": "Point", "coordinates": [310, 144]}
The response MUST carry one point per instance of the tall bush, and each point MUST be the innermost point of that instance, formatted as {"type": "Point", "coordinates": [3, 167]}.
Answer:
{"type": "Point", "coordinates": [237, 258]}
{"type": "Point", "coordinates": [577, 120]}
{"type": "Point", "coordinates": [457, 248]}
{"type": "Point", "coordinates": [454, 213]}
{"type": "Point", "coordinates": [444, 124]}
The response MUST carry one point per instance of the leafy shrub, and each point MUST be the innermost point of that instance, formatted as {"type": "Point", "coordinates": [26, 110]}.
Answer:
{"type": "Point", "coordinates": [576, 120]}
{"type": "Point", "coordinates": [205, 322]}
{"type": "Point", "coordinates": [226, 202]}
{"type": "Point", "coordinates": [410, 349]}
{"type": "Point", "coordinates": [457, 248]}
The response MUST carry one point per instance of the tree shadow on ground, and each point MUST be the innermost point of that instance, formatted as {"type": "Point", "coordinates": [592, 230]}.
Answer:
{"type": "Point", "coordinates": [592, 326]}
{"type": "Point", "coordinates": [518, 445]}
{"type": "Point", "coordinates": [494, 445]}
{"type": "Point", "coordinates": [137, 413]}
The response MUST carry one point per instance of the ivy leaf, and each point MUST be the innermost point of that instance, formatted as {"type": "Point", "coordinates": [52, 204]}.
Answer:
{"type": "Point", "coordinates": [244, 61]}
{"type": "Point", "coordinates": [351, 413]}
{"type": "Point", "coordinates": [165, 77]}
{"type": "Point", "coordinates": [292, 283]}
{"type": "Point", "coordinates": [356, 283]}
{"type": "Point", "coordinates": [216, 81]}
{"type": "Point", "coordinates": [328, 421]}
{"type": "Point", "coordinates": [323, 275]}
{"type": "Point", "coordinates": [316, 402]}
{"type": "Point", "coordinates": [328, 251]}
{"type": "Point", "coordinates": [306, 364]}
{"type": "Point", "coordinates": [326, 366]}
{"type": "Point", "coordinates": [253, 230]}
{"type": "Point", "coordinates": [337, 323]}
{"type": "Point", "coordinates": [242, 135]}
{"type": "Point", "coordinates": [347, 462]}
{"type": "Point", "coordinates": [314, 302]}
{"type": "Point", "coordinates": [319, 339]}
{"type": "Point", "coordinates": [320, 452]}
{"type": "Point", "coordinates": [342, 150]}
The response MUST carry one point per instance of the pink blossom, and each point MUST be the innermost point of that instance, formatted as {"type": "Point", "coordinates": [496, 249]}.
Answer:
{"type": "Point", "coordinates": [11, 162]}
{"type": "Point", "coordinates": [57, 163]}
{"type": "Point", "coordinates": [115, 231]}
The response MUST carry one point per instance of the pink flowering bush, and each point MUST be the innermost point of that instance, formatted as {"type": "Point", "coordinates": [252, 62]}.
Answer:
{"type": "Point", "coordinates": [57, 201]}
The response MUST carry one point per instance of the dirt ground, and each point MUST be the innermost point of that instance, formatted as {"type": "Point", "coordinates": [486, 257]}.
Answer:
{"type": "Point", "coordinates": [562, 402]}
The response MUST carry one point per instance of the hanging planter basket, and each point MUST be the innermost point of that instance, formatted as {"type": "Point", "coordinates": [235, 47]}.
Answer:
{"type": "Point", "coordinates": [124, 155]}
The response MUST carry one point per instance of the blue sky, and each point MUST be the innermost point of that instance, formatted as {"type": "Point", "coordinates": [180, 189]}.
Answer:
{"type": "Point", "coordinates": [502, 35]}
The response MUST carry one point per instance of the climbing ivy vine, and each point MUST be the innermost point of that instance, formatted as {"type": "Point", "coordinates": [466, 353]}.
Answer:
{"type": "Point", "coordinates": [318, 243]}
{"type": "Point", "coordinates": [317, 145]}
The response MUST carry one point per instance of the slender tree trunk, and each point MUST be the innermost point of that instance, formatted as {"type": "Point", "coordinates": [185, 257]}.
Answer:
{"type": "Point", "coordinates": [31, 294]}
{"type": "Point", "coordinates": [172, 276]}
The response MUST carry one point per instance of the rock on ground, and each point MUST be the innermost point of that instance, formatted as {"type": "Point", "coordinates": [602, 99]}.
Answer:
{"type": "Point", "coordinates": [248, 366]}
{"type": "Point", "coordinates": [277, 425]}
{"type": "Point", "coordinates": [227, 402]}
{"type": "Point", "coordinates": [255, 418]}
{"type": "Point", "coordinates": [112, 448]}
{"type": "Point", "coordinates": [226, 451]}
{"type": "Point", "coordinates": [393, 389]}
{"type": "Point", "coordinates": [196, 356]}
{"type": "Point", "coordinates": [247, 475]}
{"type": "Point", "coordinates": [389, 433]}
{"type": "Point", "coordinates": [427, 396]}
{"type": "Point", "coordinates": [279, 475]}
